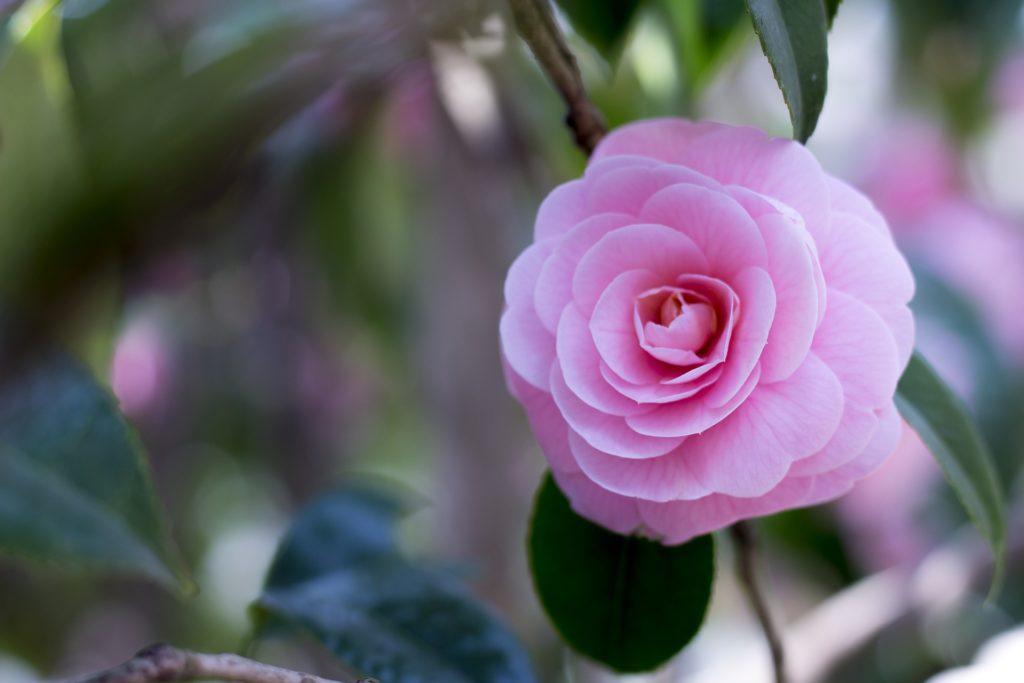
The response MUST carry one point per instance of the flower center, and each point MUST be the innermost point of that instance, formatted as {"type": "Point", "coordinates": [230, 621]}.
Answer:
{"type": "Point", "coordinates": [676, 325]}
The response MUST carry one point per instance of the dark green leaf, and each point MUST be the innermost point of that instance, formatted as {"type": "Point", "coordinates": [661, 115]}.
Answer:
{"type": "Point", "coordinates": [74, 486]}
{"type": "Point", "coordinates": [403, 624]}
{"type": "Point", "coordinates": [944, 425]}
{"type": "Point", "coordinates": [627, 602]}
{"type": "Point", "coordinates": [793, 36]}
{"type": "Point", "coordinates": [831, 7]}
{"type": "Point", "coordinates": [339, 576]}
{"type": "Point", "coordinates": [337, 530]}
{"type": "Point", "coordinates": [603, 23]}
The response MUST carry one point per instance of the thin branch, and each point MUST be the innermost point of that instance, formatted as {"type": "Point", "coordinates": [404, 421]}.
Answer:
{"type": "Point", "coordinates": [535, 22]}
{"type": "Point", "coordinates": [166, 664]}
{"type": "Point", "coordinates": [746, 566]}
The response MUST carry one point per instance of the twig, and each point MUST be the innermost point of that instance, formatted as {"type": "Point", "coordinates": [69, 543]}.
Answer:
{"type": "Point", "coordinates": [746, 565]}
{"type": "Point", "coordinates": [535, 22]}
{"type": "Point", "coordinates": [166, 664]}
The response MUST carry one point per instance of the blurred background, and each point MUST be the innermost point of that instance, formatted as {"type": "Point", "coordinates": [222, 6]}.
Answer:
{"type": "Point", "coordinates": [279, 231]}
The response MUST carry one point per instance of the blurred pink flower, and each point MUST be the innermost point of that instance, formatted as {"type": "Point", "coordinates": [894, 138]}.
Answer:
{"type": "Point", "coordinates": [909, 168]}
{"type": "Point", "coordinates": [707, 327]}
{"type": "Point", "coordinates": [140, 367]}
{"type": "Point", "coordinates": [982, 255]}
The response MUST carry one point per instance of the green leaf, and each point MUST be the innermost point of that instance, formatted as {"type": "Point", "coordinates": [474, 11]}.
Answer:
{"type": "Point", "coordinates": [793, 35]}
{"type": "Point", "coordinates": [339, 576]}
{"type": "Point", "coordinates": [74, 486]}
{"type": "Point", "coordinates": [831, 7]}
{"type": "Point", "coordinates": [942, 422]}
{"type": "Point", "coordinates": [338, 530]}
{"type": "Point", "coordinates": [604, 23]}
{"type": "Point", "coordinates": [624, 601]}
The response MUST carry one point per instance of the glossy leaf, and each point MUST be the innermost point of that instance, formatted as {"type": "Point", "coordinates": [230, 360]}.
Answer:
{"type": "Point", "coordinates": [603, 24]}
{"type": "Point", "coordinates": [793, 36]}
{"type": "Point", "coordinates": [624, 601]}
{"type": "Point", "coordinates": [74, 485]}
{"type": "Point", "coordinates": [942, 422]}
{"type": "Point", "coordinates": [340, 577]}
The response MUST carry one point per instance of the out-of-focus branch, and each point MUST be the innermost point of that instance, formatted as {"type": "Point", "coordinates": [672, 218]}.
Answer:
{"type": "Point", "coordinates": [535, 22]}
{"type": "Point", "coordinates": [164, 664]}
{"type": "Point", "coordinates": [746, 567]}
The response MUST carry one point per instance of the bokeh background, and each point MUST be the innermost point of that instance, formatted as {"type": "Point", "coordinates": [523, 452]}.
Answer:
{"type": "Point", "coordinates": [279, 232]}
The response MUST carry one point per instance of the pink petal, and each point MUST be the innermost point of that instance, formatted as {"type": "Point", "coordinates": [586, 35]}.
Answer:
{"type": "Point", "coordinates": [581, 367]}
{"type": "Point", "coordinates": [663, 392]}
{"type": "Point", "coordinates": [855, 342]}
{"type": "Point", "coordinates": [662, 478]}
{"type": "Point", "coordinates": [753, 287]}
{"type": "Point", "coordinates": [546, 421]}
{"type": "Point", "coordinates": [614, 333]}
{"type": "Point", "coordinates": [848, 200]}
{"type": "Point", "coordinates": [855, 430]}
{"type": "Point", "coordinates": [610, 510]}
{"type": "Point", "coordinates": [776, 167]}
{"type": "Point", "coordinates": [689, 416]}
{"type": "Point", "coordinates": [862, 262]}
{"type": "Point", "coordinates": [663, 139]}
{"type": "Point", "coordinates": [553, 290]}
{"type": "Point", "coordinates": [655, 248]}
{"type": "Point", "coordinates": [679, 521]}
{"type": "Point", "coordinates": [527, 345]}
{"type": "Point", "coordinates": [724, 232]}
{"type": "Point", "coordinates": [628, 189]}
{"type": "Point", "coordinates": [792, 263]}
{"type": "Point", "coordinates": [603, 431]}
{"type": "Point", "coordinates": [750, 452]}
{"type": "Point", "coordinates": [563, 208]}
{"type": "Point", "coordinates": [522, 274]}
{"type": "Point", "coordinates": [831, 485]}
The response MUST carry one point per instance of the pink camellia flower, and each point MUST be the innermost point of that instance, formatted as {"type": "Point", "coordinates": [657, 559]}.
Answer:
{"type": "Point", "coordinates": [707, 327]}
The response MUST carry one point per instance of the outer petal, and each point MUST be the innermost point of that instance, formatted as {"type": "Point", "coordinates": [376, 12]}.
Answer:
{"type": "Point", "coordinates": [864, 263]}
{"type": "Point", "coordinates": [546, 421]}
{"type": "Point", "coordinates": [663, 139]}
{"type": "Point", "coordinates": [750, 452]}
{"type": "Point", "coordinates": [662, 478]}
{"type": "Point", "coordinates": [857, 427]}
{"type": "Point", "coordinates": [724, 232]}
{"type": "Point", "coordinates": [775, 167]}
{"type": "Point", "coordinates": [581, 367]}
{"type": "Point", "coordinates": [679, 521]}
{"type": "Point", "coordinates": [656, 248]}
{"type": "Point", "coordinates": [628, 189]}
{"type": "Point", "coordinates": [608, 433]}
{"type": "Point", "coordinates": [563, 208]}
{"type": "Point", "coordinates": [527, 345]}
{"type": "Point", "coordinates": [855, 342]}
{"type": "Point", "coordinates": [522, 274]}
{"type": "Point", "coordinates": [833, 484]}
{"type": "Point", "coordinates": [603, 507]}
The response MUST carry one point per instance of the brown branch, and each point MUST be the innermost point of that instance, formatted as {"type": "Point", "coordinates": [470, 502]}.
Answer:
{"type": "Point", "coordinates": [535, 22]}
{"type": "Point", "coordinates": [166, 664]}
{"type": "Point", "coordinates": [746, 566]}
